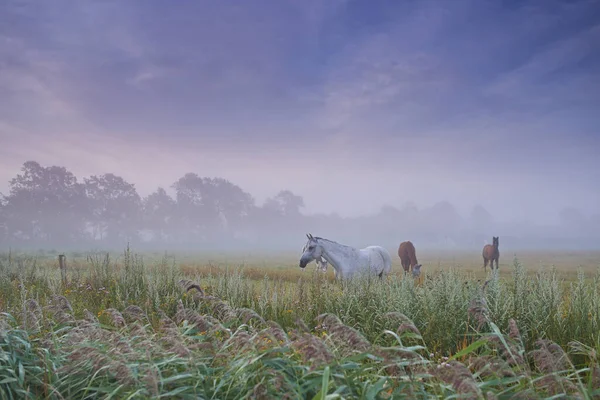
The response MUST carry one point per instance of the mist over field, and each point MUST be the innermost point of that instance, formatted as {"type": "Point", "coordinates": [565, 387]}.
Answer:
{"type": "Point", "coordinates": [50, 208]}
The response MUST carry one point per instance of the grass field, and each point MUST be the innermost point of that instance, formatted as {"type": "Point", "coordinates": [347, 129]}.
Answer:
{"type": "Point", "coordinates": [136, 326]}
{"type": "Point", "coordinates": [285, 265]}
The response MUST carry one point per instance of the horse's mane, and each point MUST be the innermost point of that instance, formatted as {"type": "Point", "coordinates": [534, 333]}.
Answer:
{"type": "Point", "coordinates": [334, 242]}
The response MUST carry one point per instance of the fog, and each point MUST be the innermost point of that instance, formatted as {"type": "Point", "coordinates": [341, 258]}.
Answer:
{"type": "Point", "coordinates": [443, 123]}
{"type": "Point", "coordinates": [48, 207]}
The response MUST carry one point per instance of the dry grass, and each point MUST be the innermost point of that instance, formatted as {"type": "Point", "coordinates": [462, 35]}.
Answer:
{"type": "Point", "coordinates": [135, 326]}
{"type": "Point", "coordinates": [285, 265]}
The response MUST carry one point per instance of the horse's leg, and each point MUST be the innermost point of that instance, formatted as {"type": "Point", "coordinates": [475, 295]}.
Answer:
{"type": "Point", "coordinates": [485, 262]}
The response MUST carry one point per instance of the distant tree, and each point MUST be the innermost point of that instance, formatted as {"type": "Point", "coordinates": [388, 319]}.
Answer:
{"type": "Point", "coordinates": [3, 220]}
{"type": "Point", "coordinates": [229, 201]}
{"type": "Point", "coordinates": [481, 219]}
{"type": "Point", "coordinates": [442, 220]}
{"type": "Point", "coordinates": [45, 203]}
{"type": "Point", "coordinates": [281, 214]}
{"type": "Point", "coordinates": [388, 222]}
{"type": "Point", "coordinates": [193, 211]}
{"type": "Point", "coordinates": [390, 212]}
{"type": "Point", "coordinates": [211, 206]}
{"type": "Point", "coordinates": [285, 203]}
{"type": "Point", "coordinates": [159, 209]}
{"type": "Point", "coordinates": [116, 207]}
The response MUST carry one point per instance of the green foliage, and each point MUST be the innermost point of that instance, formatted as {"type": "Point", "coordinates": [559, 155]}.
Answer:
{"type": "Point", "coordinates": [126, 327]}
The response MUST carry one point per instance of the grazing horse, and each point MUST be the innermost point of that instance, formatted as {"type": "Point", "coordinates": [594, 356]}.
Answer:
{"type": "Point", "coordinates": [347, 261]}
{"type": "Point", "coordinates": [408, 257]}
{"type": "Point", "coordinates": [491, 253]}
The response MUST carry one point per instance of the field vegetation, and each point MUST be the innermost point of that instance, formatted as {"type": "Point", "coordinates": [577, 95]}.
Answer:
{"type": "Point", "coordinates": [148, 326]}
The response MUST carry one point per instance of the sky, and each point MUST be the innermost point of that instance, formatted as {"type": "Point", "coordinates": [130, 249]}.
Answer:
{"type": "Point", "coordinates": [351, 104]}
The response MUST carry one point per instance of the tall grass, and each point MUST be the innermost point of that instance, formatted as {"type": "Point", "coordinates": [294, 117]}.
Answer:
{"type": "Point", "coordinates": [127, 327]}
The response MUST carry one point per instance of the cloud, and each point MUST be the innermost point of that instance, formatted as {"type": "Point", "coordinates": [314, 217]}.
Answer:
{"type": "Point", "coordinates": [548, 73]}
{"type": "Point", "coordinates": [318, 97]}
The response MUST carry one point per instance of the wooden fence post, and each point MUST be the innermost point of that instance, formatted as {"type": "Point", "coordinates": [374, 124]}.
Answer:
{"type": "Point", "coordinates": [62, 263]}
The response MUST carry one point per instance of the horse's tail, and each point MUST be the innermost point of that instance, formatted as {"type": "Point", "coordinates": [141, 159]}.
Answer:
{"type": "Point", "coordinates": [387, 260]}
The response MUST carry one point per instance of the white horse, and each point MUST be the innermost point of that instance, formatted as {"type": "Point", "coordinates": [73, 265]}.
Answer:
{"type": "Point", "coordinates": [347, 261]}
{"type": "Point", "coordinates": [321, 262]}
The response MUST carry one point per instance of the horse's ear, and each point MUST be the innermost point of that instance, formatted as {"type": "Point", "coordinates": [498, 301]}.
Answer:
{"type": "Point", "coordinates": [307, 235]}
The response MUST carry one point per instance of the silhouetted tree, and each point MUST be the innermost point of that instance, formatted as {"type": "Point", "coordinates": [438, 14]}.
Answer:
{"type": "Point", "coordinates": [48, 207]}
{"type": "Point", "coordinates": [442, 220]}
{"type": "Point", "coordinates": [229, 202]}
{"type": "Point", "coordinates": [285, 203]}
{"type": "Point", "coordinates": [211, 207]}
{"type": "Point", "coordinates": [194, 215]}
{"type": "Point", "coordinates": [45, 203]}
{"type": "Point", "coordinates": [3, 220]}
{"type": "Point", "coordinates": [115, 207]}
{"type": "Point", "coordinates": [481, 219]}
{"type": "Point", "coordinates": [159, 211]}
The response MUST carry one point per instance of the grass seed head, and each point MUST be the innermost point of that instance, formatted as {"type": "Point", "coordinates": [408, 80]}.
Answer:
{"type": "Point", "coordinates": [402, 322]}
{"type": "Point", "coordinates": [188, 285]}
{"type": "Point", "coordinates": [246, 315]}
{"type": "Point", "coordinates": [134, 313]}
{"type": "Point", "coordinates": [312, 350]}
{"type": "Point", "coordinates": [460, 377]}
{"type": "Point", "coordinates": [90, 317]}
{"type": "Point", "coordinates": [116, 317]}
{"type": "Point", "coordinates": [549, 357]}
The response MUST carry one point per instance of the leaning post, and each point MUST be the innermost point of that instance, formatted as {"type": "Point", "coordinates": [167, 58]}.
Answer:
{"type": "Point", "coordinates": [62, 263]}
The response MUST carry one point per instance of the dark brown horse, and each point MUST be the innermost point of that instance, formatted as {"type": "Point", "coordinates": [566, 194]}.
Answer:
{"type": "Point", "coordinates": [408, 257]}
{"type": "Point", "coordinates": [491, 253]}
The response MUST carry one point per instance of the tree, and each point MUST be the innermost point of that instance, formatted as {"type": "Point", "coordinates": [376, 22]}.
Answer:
{"type": "Point", "coordinates": [442, 220]}
{"type": "Point", "coordinates": [228, 201]}
{"type": "Point", "coordinates": [481, 219]}
{"type": "Point", "coordinates": [194, 214]}
{"type": "Point", "coordinates": [45, 203]}
{"type": "Point", "coordinates": [159, 210]}
{"type": "Point", "coordinates": [285, 203]}
{"type": "Point", "coordinates": [3, 220]}
{"type": "Point", "coordinates": [206, 205]}
{"type": "Point", "coordinates": [115, 207]}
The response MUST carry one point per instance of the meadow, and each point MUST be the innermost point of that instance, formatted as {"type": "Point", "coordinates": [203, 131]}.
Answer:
{"type": "Point", "coordinates": [232, 326]}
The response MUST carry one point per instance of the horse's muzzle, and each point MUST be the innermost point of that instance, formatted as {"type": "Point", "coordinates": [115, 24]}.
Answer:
{"type": "Point", "coordinates": [304, 262]}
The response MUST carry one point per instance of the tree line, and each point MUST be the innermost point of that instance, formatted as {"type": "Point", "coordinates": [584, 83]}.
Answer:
{"type": "Point", "coordinates": [49, 207]}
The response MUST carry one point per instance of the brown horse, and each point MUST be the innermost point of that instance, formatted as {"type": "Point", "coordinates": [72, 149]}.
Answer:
{"type": "Point", "coordinates": [491, 253]}
{"type": "Point", "coordinates": [408, 257]}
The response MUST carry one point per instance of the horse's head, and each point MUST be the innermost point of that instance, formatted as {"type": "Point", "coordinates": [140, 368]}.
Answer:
{"type": "Point", "coordinates": [496, 241]}
{"type": "Point", "coordinates": [416, 271]}
{"type": "Point", "coordinates": [312, 251]}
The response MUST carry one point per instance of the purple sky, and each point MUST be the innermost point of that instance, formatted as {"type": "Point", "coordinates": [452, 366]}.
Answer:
{"type": "Point", "coordinates": [352, 104]}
